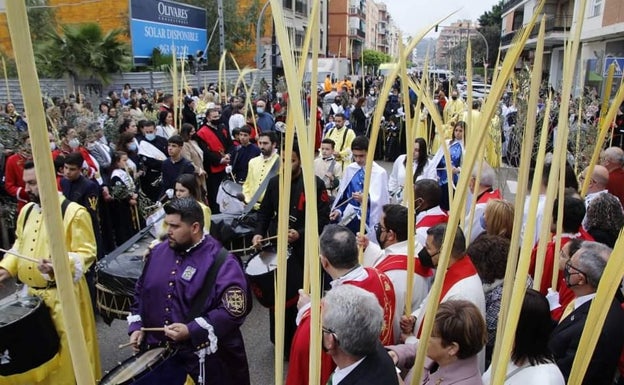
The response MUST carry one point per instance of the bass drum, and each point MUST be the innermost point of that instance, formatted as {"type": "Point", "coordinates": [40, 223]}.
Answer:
{"type": "Point", "coordinates": [116, 280]}
{"type": "Point", "coordinates": [227, 197]}
{"type": "Point", "coordinates": [28, 338]}
{"type": "Point", "coordinates": [261, 269]}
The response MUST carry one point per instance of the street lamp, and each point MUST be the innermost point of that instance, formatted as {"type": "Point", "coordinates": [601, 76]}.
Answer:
{"type": "Point", "coordinates": [258, 27]}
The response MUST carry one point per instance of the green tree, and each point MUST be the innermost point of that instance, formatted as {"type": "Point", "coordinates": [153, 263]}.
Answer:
{"type": "Point", "coordinates": [239, 27]}
{"type": "Point", "coordinates": [41, 19]}
{"type": "Point", "coordinates": [373, 59]}
{"type": "Point", "coordinates": [83, 51]}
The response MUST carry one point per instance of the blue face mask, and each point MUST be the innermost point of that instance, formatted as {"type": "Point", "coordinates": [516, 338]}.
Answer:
{"type": "Point", "coordinates": [150, 137]}
{"type": "Point", "coordinates": [132, 146]}
{"type": "Point", "coordinates": [260, 110]}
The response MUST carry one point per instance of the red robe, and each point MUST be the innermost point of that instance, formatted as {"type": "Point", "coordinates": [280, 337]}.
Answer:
{"type": "Point", "coordinates": [13, 179]}
{"type": "Point", "coordinates": [376, 283]}
{"type": "Point", "coordinates": [565, 294]}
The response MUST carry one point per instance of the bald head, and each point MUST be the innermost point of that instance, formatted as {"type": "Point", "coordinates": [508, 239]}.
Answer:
{"type": "Point", "coordinates": [612, 158]}
{"type": "Point", "coordinates": [599, 178]}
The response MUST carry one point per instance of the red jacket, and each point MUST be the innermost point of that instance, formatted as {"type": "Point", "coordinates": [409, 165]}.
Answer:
{"type": "Point", "coordinates": [13, 179]}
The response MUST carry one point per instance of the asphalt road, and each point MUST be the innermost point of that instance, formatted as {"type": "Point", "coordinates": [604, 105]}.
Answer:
{"type": "Point", "coordinates": [260, 351]}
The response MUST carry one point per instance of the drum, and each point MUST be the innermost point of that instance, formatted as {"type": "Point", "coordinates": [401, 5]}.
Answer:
{"type": "Point", "coordinates": [260, 270]}
{"type": "Point", "coordinates": [116, 278]}
{"type": "Point", "coordinates": [234, 232]}
{"type": "Point", "coordinates": [28, 338]}
{"type": "Point", "coordinates": [143, 368]}
{"type": "Point", "coordinates": [227, 197]}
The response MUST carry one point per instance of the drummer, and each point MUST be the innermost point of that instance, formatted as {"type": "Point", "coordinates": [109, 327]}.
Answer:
{"type": "Point", "coordinates": [32, 240]}
{"type": "Point", "coordinates": [165, 296]}
{"type": "Point", "coordinates": [267, 226]}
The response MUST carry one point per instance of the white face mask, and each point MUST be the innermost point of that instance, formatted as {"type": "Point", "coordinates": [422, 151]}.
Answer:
{"type": "Point", "coordinates": [52, 146]}
{"type": "Point", "coordinates": [74, 143]}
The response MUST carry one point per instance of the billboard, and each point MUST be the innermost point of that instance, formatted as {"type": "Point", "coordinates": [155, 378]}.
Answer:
{"type": "Point", "coordinates": [166, 24]}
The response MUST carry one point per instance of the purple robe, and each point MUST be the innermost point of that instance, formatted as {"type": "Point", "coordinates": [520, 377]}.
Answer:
{"type": "Point", "coordinates": [164, 295]}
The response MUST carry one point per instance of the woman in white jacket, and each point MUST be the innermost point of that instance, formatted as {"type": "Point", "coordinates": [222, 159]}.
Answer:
{"type": "Point", "coordinates": [396, 180]}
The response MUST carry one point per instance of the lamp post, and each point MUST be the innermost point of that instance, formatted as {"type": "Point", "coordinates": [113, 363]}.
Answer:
{"type": "Point", "coordinates": [487, 54]}
{"type": "Point", "coordinates": [258, 26]}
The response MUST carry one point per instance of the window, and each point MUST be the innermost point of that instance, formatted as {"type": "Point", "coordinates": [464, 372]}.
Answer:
{"type": "Point", "coordinates": [596, 8]}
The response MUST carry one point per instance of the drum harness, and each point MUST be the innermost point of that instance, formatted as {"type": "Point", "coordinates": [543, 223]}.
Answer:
{"type": "Point", "coordinates": [197, 309]}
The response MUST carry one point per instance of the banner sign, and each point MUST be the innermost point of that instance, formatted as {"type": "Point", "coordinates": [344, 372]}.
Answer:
{"type": "Point", "coordinates": [619, 65]}
{"type": "Point", "coordinates": [166, 24]}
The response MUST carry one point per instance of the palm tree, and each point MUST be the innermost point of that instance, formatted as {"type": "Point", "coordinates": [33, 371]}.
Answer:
{"type": "Point", "coordinates": [83, 51]}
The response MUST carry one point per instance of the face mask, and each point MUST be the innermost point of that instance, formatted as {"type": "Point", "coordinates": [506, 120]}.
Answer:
{"type": "Point", "coordinates": [132, 147]}
{"type": "Point", "coordinates": [482, 222]}
{"type": "Point", "coordinates": [215, 121]}
{"type": "Point", "coordinates": [567, 275]}
{"type": "Point", "coordinates": [259, 110]}
{"type": "Point", "coordinates": [52, 146]}
{"type": "Point", "coordinates": [454, 97]}
{"type": "Point", "coordinates": [418, 203]}
{"type": "Point", "coordinates": [74, 143]}
{"type": "Point", "coordinates": [150, 137]}
{"type": "Point", "coordinates": [425, 258]}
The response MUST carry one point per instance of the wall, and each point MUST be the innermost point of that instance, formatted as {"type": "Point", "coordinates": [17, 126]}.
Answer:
{"type": "Point", "coordinates": [148, 80]}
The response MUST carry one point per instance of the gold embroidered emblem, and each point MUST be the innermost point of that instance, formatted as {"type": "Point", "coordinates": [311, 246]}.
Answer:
{"type": "Point", "coordinates": [235, 301]}
{"type": "Point", "coordinates": [93, 203]}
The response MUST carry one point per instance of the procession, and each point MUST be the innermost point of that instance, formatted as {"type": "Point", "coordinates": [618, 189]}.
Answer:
{"type": "Point", "coordinates": [317, 219]}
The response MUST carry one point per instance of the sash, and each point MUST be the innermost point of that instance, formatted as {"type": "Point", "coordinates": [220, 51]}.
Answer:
{"type": "Point", "coordinates": [149, 150]}
{"type": "Point", "coordinates": [487, 195]}
{"type": "Point", "coordinates": [459, 270]}
{"type": "Point", "coordinates": [399, 262]}
{"type": "Point", "coordinates": [380, 285]}
{"type": "Point", "coordinates": [432, 220]}
{"type": "Point", "coordinates": [214, 144]}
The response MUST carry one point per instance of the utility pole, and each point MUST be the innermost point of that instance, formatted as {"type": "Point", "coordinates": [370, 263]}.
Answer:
{"type": "Point", "coordinates": [221, 29]}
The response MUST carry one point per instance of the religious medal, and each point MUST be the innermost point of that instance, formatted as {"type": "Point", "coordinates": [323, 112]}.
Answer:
{"type": "Point", "coordinates": [188, 273]}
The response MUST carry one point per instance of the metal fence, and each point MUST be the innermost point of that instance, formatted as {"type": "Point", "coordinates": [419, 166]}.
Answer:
{"type": "Point", "coordinates": [148, 80]}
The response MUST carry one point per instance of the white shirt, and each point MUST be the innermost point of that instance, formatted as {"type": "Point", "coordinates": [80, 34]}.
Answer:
{"type": "Point", "coordinates": [340, 374]}
{"type": "Point", "coordinates": [541, 374]}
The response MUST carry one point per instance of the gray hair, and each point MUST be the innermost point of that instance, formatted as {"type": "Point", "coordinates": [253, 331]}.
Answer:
{"type": "Point", "coordinates": [355, 317]}
{"type": "Point", "coordinates": [592, 259]}
{"type": "Point", "coordinates": [339, 246]}
{"type": "Point", "coordinates": [615, 154]}
{"type": "Point", "coordinates": [488, 176]}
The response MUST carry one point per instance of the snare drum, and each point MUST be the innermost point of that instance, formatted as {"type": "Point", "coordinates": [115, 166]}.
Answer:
{"type": "Point", "coordinates": [147, 367]}
{"type": "Point", "coordinates": [28, 338]}
{"type": "Point", "coordinates": [227, 197]}
{"type": "Point", "coordinates": [260, 270]}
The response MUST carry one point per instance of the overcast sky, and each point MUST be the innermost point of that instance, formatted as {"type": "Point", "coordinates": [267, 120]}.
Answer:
{"type": "Point", "coordinates": [413, 15]}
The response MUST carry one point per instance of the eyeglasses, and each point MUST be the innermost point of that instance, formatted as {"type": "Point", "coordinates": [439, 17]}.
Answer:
{"type": "Point", "coordinates": [563, 255]}
{"type": "Point", "coordinates": [379, 227]}
{"type": "Point", "coordinates": [329, 331]}
{"type": "Point", "coordinates": [568, 267]}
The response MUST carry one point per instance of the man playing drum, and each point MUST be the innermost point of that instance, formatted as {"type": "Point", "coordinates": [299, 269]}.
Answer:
{"type": "Point", "coordinates": [171, 309]}
{"type": "Point", "coordinates": [32, 240]}
{"type": "Point", "coordinates": [267, 225]}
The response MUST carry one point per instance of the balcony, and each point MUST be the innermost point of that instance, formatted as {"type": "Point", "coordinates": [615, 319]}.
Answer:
{"type": "Point", "coordinates": [509, 4]}
{"type": "Point", "coordinates": [506, 39]}
{"type": "Point", "coordinates": [358, 11]}
{"type": "Point", "coordinates": [357, 32]}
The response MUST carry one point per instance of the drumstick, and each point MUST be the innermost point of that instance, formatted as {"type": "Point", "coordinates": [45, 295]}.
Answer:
{"type": "Point", "coordinates": [253, 246]}
{"type": "Point", "coordinates": [126, 345]}
{"type": "Point", "coordinates": [30, 259]}
{"type": "Point", "coordinates": [343, 203]}
{"type": "Point", "coordinates": [152, 329]}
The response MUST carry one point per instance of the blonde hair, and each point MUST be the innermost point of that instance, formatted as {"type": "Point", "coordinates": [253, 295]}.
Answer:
{"type": "Point", "coordinates": [499, 217]}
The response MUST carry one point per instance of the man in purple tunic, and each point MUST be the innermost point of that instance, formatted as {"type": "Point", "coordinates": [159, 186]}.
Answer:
{"type": "Point", "coordinates": [174, 274]}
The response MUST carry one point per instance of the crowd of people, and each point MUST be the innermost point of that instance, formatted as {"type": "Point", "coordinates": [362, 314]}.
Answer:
{"type": "Point", "coordinates": [115, 164]}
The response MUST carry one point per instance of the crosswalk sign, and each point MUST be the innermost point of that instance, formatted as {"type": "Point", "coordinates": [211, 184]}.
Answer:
{"type": "Point", "coordinates": [619, 66]}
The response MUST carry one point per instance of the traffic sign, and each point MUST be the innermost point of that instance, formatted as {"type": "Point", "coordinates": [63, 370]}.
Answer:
{"type": "Point", "coordinates": [619, 66]}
